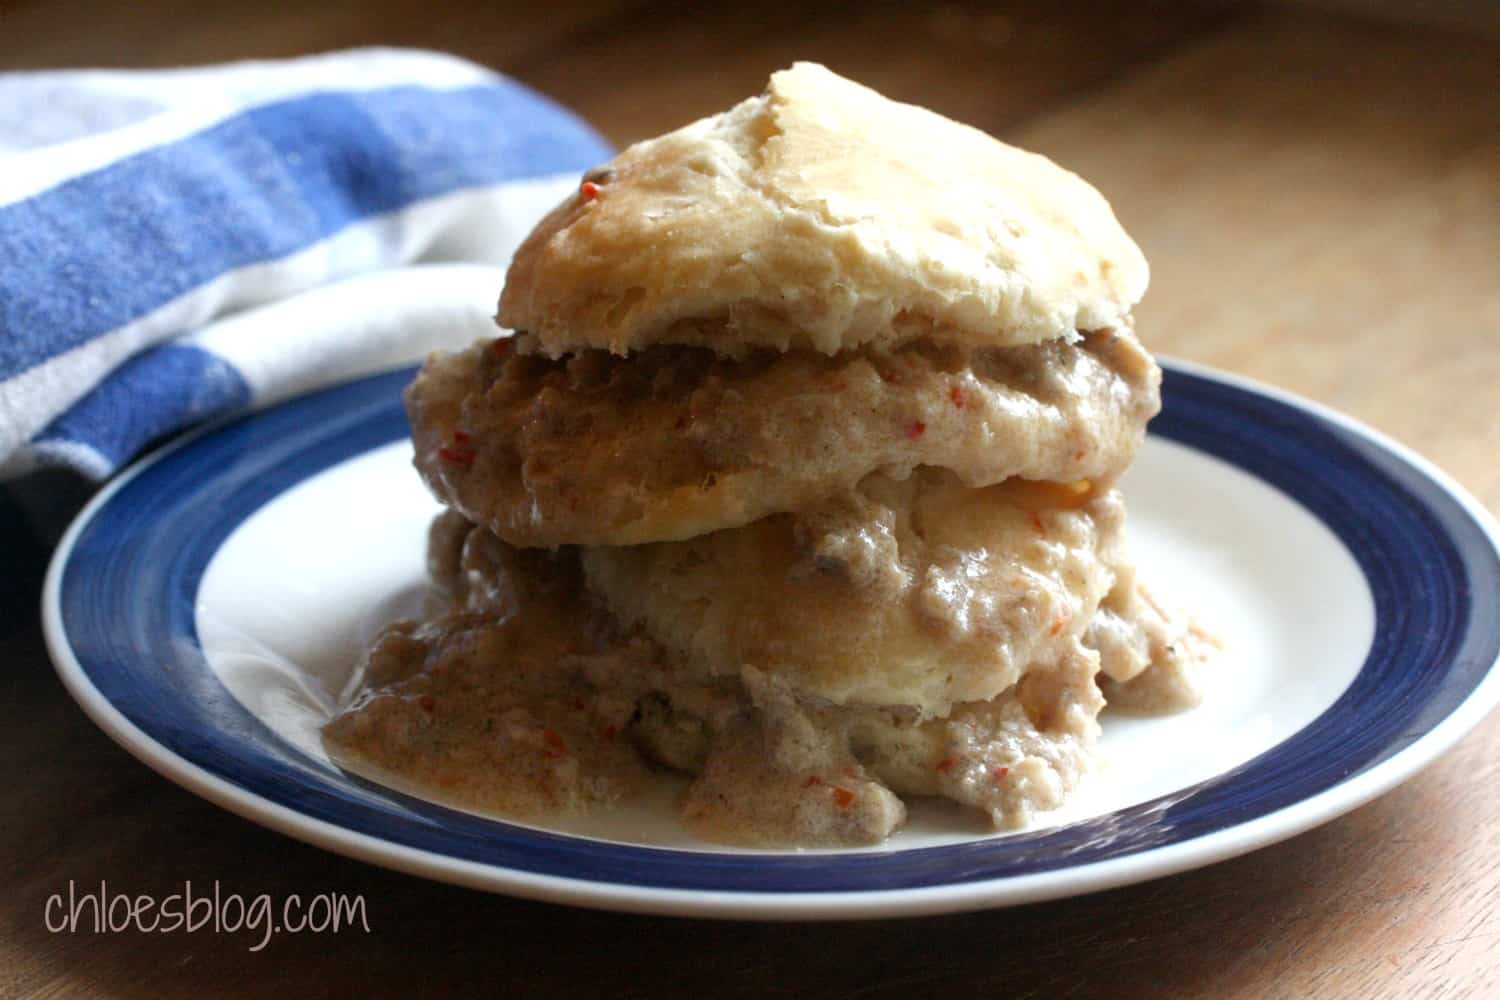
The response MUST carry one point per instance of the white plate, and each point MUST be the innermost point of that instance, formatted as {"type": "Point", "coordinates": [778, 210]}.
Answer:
{"type": "Point", "coordinates": [208, 608]}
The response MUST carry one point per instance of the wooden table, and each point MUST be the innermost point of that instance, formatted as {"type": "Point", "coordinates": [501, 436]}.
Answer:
{"type": "Point", "coordinates": [1320, 200]}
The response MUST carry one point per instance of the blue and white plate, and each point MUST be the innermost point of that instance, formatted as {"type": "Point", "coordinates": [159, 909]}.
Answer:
{"type": "Point", "coordinates": [207, 608]}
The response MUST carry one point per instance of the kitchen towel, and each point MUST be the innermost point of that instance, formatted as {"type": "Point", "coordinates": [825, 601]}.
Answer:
{"type": "Point", "coordinates": [180, 244]}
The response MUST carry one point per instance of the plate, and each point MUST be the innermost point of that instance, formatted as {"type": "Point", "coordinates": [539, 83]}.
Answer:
{"type": "Point", "coordinates": [206, 608]}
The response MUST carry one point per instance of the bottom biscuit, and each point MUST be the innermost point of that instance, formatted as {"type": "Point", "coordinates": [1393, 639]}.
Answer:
{"type": "Point", "coordinates": [524, 698]}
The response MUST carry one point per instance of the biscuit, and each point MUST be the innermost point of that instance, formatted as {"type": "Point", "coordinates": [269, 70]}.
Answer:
{"type": "Point", "coordinates": [920, 593]}
{"type": "Point", "coordinates": [821, 215]}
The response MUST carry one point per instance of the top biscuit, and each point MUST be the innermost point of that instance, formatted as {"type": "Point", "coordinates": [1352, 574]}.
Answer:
{"type": "Point", "coordinates": [821, 215]}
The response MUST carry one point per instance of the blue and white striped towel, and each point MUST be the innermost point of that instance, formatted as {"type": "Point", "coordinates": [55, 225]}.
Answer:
{"type": "Point", "coordinates": [179, 244]}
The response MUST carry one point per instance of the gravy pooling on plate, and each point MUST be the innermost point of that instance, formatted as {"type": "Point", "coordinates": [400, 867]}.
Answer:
{"type": "Point", "coordinates": [797, 478]}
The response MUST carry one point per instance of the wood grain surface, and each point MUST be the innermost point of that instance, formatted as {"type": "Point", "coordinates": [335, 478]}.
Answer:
{"type": "Point", "coordinates": [1320, 201]}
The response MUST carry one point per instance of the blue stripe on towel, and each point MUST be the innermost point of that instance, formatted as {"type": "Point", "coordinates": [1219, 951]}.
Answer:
{"type": "Point", "coordinates": [98, 251]}
{"type": "Point", "coordinates": [159, 390]}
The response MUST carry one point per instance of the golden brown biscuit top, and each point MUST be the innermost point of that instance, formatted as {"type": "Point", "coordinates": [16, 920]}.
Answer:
{"type": "Point", "coordinates": [822, 215]}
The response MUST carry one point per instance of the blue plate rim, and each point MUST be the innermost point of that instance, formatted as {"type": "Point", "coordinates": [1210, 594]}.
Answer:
{"type": "Point", "coordinates": [1149, 861]}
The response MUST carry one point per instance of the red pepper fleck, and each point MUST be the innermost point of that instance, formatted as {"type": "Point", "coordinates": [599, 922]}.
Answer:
{"type": "Point", "coordinates": [957, 395]}
{"type": "Point", "coordinates": [610, 732]}
{"type": "Point", "coordinates": [1078, 455]}
{"type": "Point", "coordinates": [889, 376]}
{"type": "Point", "coordinates": [589, 190]}
{"type": "Point", "coordinates": [843, 797]}
{"type": "Point", "coordinates": [1000, 773]}
{"type": "Point", "coordinates": [946, 764]}
{"type": "Point", "coordinates": [555, 745]}
{"type": "Point", "coordinates": [459, 450]}
{"type": "Point", "coordinates": [1036, 522]}
{"type": "Point", "coordinates": [427, 702]}
{"type": "Point", "coordinates": [459, 454]}
{"type": "Point", "coordinates": [1058, 623]}
{"type": "Point", "coordinates": [814, 780]}
{"type": "Point", "coordinates": [916, 430]}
